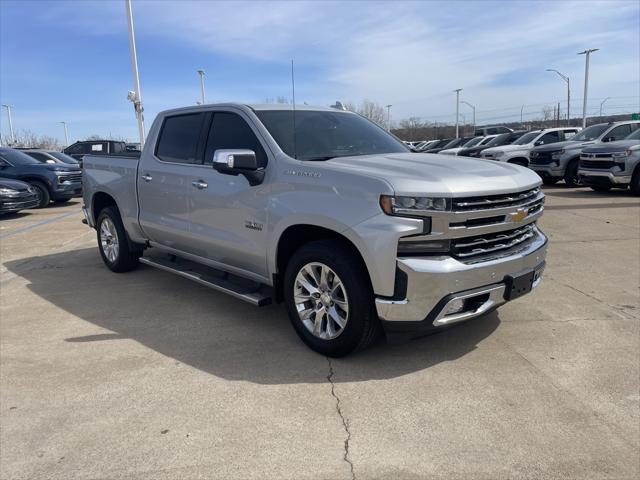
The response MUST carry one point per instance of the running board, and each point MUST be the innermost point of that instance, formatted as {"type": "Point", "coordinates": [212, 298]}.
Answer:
{"type": "Point", "coordinates": [238, 287]}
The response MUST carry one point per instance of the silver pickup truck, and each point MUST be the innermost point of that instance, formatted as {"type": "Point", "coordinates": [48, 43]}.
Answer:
{"type": "Point", "coordinates": [324, 210]}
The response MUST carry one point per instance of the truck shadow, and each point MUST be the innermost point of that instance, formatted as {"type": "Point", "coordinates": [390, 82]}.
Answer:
{"type": "Point", "coordinates": [213, 332]}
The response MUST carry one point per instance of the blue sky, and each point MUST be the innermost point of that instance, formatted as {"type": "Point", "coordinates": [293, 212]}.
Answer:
{"type": "Point", "coordinates": [69, 60]}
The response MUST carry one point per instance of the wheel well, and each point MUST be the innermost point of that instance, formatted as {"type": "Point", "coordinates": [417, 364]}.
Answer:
{"type": "Point", "coordinates": [99, 202]}
{"type": "Point", "coordinates": [295, 237]}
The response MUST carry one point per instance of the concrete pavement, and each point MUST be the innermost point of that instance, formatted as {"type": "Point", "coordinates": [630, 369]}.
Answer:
{"type": "Point", "coordinates": [147, 375]}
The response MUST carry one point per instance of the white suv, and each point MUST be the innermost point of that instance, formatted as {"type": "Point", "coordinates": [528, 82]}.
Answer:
{"type": "Point", "coordinates": [518, 151]}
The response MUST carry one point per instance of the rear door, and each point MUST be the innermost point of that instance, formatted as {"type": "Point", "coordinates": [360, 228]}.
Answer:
{"type": "Point", "coordinates": [164, 177]}
{"type": "Point", "coordinates": [228, 216]}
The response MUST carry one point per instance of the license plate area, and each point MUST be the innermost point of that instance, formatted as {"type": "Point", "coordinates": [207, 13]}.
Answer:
{"type": "Point", "coordinates": [519, 284]}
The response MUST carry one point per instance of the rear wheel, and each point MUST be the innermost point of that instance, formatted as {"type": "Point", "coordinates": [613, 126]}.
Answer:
{"type": "Point", "coordinates": [329, 299]}
{"type": "Point", "coordinates": [571, 174]}
{"type": "Point", "coordinates": [42, 192]}
{"type": "Point", "coordinates": [116, 250]}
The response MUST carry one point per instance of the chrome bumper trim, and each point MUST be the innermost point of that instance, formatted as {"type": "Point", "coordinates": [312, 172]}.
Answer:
{"type": "Point", "coordinates": [599, 173]}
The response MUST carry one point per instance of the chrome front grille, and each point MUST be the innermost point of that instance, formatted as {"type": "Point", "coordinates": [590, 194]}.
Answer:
{"type": "Point", "coordinates": [467, 247]}
{"type": "Point", "coordinates": [71, 177]}
{"type": "Point", "coordinates": [517, 199]}
{"type": "Point", "coordinates": [606, 164]}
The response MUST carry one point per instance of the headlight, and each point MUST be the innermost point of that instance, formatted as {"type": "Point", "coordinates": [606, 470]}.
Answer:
{"type": "Point", "coordinates": [8, 191]}
{"type": "Point", "coordinates": [558, 154]}
{"type": "Point", "coordinates": [498, 153]}
{"type": "Point", "coordinates": [626, 153]}
{"type": "Point", "coordinates": [413, 206]}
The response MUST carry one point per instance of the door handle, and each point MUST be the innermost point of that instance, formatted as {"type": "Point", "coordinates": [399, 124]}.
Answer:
{"type": "Point", "coordinates": [200, 184]}
{"type": "Point", "coordinates": [146, 177]}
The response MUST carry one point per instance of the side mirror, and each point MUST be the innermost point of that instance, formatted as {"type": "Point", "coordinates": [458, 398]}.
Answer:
{"type": "Point", "coordinates": [239, 162]}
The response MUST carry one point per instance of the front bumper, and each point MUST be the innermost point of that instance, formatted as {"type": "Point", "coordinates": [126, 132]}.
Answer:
{"type": "Point", "coordinates": [433, 284]}
{"type": "Point", "coordinates": [603, 177]}
{"type": "Point", "coordinates": [15, 204]}
{"type": "Point", "coordinates": [67, 189]}
{"type": "Point", "coordinates": [547, 171]}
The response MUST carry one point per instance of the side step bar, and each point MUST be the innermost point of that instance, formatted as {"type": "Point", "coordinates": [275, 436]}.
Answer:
{"type": "Point", "coordinates": [246, 290]}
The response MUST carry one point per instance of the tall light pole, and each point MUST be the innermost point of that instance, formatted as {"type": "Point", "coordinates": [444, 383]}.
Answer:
{"type": "Point", "coordinates": [566, 79]}
{"type": "Point", "coordinates": [389, 117]}
{"type": "Point", "coordinates": [474, 112]}
{"type": "Point", "coordinates": [457, 90]}
{"type": "Point", "coordinates": [201, 73]}
{"type": "Point", "coordinates": [66, 134]}
{"type": "Point", "coordinates": [521, 110]}
{"type": "Point", "coordinates": [602, 104]}
{"type": "Point", "coordinates": [13, 137]}
{"type": "Point", "coordinates": [135, 96]}
{"type": "Point", "coordinates": [587, 54]}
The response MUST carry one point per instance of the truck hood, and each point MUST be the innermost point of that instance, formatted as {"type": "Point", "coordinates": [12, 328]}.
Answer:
{"type": "Point", "coordinates": [61, 167]}
{"type": "Point", "coordinates": [567, 145]}
{"type": "Point", "coordinates": [510, 148]}
{"type": "Point", "coordinates": [619, 146]}
{"type": "Point", "coordinates": [439, 175]}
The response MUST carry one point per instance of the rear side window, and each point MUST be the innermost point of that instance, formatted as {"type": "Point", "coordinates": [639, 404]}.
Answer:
{"type": "Point", "coordinates": [77, 148]}
{"type": "Point", "coordinates": [230, 131]}
{"type": "Point", "coordinates": [618, 133]}
{"type": "Point", "coordinates": [179, 138]}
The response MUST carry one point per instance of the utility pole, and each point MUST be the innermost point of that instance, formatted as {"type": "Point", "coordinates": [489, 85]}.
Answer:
{"type": "Point", "coordinates": [66, 134]}
{"type": "Point", "coordinates": [457, 90]}
{"type": "Point", "coordinates": [389, 117]}
{"type": "Point", "coordinates": [566, 79]}
{"type": "Point", "coordinates": [587, 54]}
{"type": "Point", "coordinates": [601, 105]}
{"type": "Point", "coordinates": [474, 112]}
{"type": "Point", "coordinates": [201, 73]}
{"type": "Point", "coordinates": [521, 110]}
{"type": "Point", "coordinates": [135, 96]}
{"type": "Point", "coordinates": [13, 137]}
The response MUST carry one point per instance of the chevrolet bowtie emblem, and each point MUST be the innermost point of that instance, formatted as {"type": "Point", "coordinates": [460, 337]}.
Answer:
{"type": "Point", "coordinates": [518, 216]}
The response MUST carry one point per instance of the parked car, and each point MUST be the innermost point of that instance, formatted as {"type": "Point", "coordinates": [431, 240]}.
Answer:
{"type": "Point", "coordinates": [423, 147]}
{"type": "Point", "coordinates": [343, 223]}
{"type": "Point", "coordinates": [477, 141]}
{"type": "Point", "coordinates": [452, 143]}
{"type": "Point", "coordinates": [49, 156]}
{"type": "Point", "coordinates": [612, 165]}
{"type": "Point", "coordinates": [560, 160]}
{"type": "Point", "coordinates": [52, 181]}
{"type": "Point", "coordinates": [98, 147]}
{"type": "Point", "coordinates": [518, 151]}
{"type": "Point", "coordinates": [496, 141]}
{"type": "Point", "coordinates": [16, 195]}
{"type": "Point", "coordinates": [491, 130]}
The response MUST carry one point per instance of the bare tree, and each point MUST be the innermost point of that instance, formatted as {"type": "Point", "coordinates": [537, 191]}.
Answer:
{"type": "Point", "coordinates": [547, 113]}
{"type": "Point", "coordinates": [411, 128]}
{"type": "Point", "coordinates": [371, 110]}
{"type": "Point", "coordinates": [27, 138]}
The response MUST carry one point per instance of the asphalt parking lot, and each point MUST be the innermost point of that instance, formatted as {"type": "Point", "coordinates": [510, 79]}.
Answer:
{"type": "Point", "coordinates": [146, 375]}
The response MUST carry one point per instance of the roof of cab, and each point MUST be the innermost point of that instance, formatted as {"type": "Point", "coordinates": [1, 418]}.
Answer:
{"type": "Point", "coordinates": [252, 106]}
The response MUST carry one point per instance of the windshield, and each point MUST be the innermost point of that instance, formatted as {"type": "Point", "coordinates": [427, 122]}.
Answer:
{"type": "Point", "coordinates": [499, 140]}
{"type": "Point", "coordinates": [590, 133]}
{"type": "Point", "coordinates": [16, 157]}
{"type": "Point", "coordinates": [472, 142]}
{"type": "Point", "coordinates": [526, 138]}
{"type": "Point", "coordinates": [64, 157]}
{"type": "Point", "coordinates": [321, 135]}
{"type": "Point", "coordinates": [634, 136]}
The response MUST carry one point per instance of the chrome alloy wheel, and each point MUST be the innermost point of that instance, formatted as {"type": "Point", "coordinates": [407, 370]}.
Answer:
{"type": "Point", "coordinates": [321, 301]}
{"type": "Point", "coordinates": [109, 240]}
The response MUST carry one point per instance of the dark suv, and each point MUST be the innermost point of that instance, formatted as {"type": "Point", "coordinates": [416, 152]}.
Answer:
{"type": "Point", "coordinates": [53, 181]}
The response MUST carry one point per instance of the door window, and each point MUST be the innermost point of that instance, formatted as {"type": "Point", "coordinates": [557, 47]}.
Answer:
{"type": "Point", "coordinates": [618, 133]}
{"type": "Point", "coordinates": [229, 131]}
{"type": "Point", "coordinates": [548, 138]}
{"type": "Point", "coordinates": [179, 138]}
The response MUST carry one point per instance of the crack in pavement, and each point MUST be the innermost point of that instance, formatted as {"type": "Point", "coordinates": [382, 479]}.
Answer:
{"type": "Point", "coordinates": [345, 422]}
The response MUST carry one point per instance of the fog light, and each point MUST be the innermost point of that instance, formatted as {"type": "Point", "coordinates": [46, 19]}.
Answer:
{"type": "Point", "coordinates": [455, 306]}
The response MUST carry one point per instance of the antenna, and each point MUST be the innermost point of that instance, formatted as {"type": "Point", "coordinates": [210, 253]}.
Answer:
{"type": "Point", "coordinates": [293, 93]}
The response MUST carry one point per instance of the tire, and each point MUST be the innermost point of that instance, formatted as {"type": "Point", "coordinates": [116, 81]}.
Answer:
{"type": "Point", "coordinates": [352, 290]}
{"type": "Point", "coordinates": [571, 174]}
{"type": "Point", "coordinates": [599, 188]}
{"type": "Point", "coordinates": [550, 180]}
{"type": "Point", "coordinates": [123, 255]}
{"type": "Point", "coordinates": [635, 182]}
{"type": "Point", "coordinates": [43, 193]}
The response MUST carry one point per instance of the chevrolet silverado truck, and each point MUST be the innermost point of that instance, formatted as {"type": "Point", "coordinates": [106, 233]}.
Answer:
{"type": "Point", "coordinates": [559, 161]}
{"type": "Point", "coordinates": [324, 210]}
{"type": "Point", "coordinates": [612, 165]}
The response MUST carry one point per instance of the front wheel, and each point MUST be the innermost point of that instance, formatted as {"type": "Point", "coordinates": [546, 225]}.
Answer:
{"type": "Point", "coordinates": [115, 249]}
{"type": "Point", "coordinates": [43, 194]}
{"type": "Point", "coordinates": [571, 175]}
{"type": "Point", "coordinates": [329, 299]}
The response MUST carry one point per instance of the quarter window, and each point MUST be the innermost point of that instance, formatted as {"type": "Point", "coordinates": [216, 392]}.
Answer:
{"type": "Point", "coordinates": [179, 138]}
{"type": "Point", "coordinates": [229, 131]}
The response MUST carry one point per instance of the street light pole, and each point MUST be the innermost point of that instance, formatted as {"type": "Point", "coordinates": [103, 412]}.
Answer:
{"type": "Point", "coordinates": [389, 117]}
{"type": "Point", "coordinates": [457, 90]}
{"type": "Point", "coordinates": [13, 137]}
{"type": "Point", "coordinates": [474, 112]}
{"type": "Point", "coordinates": [566, 79]}
{"type": "Point", "coordinates": [135, 97]}
{"type": "Point", "coordinates": [601, 104]}
{"type": "Point", "coordinates": [66, 134]}
{"type": "Point", "coordinates": [201, 73]}
{"type": "Point", "coordinates": [587, 53]}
